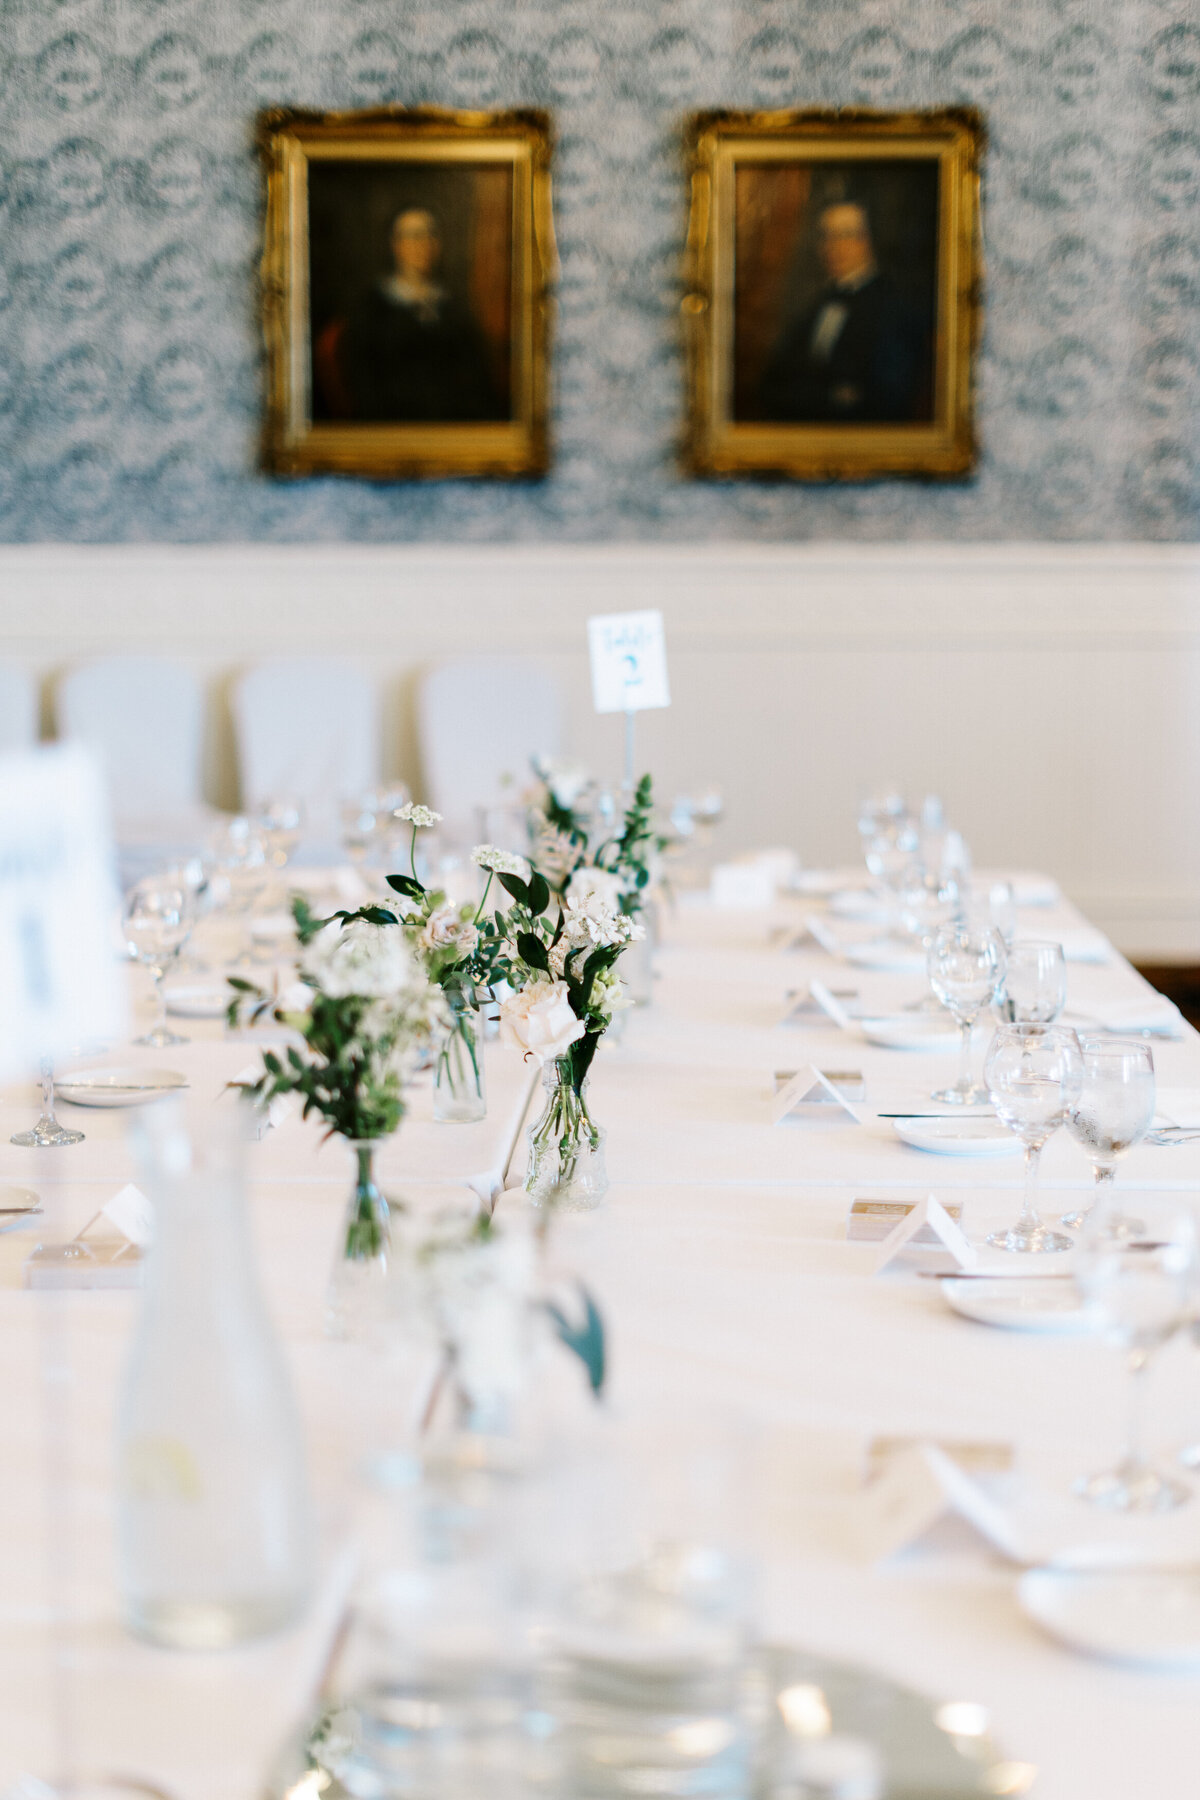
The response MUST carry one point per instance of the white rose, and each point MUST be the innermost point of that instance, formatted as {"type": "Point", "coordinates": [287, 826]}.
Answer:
{"type": "Point", "coordinates": [605, 883]}
{"type": "Point", "coordinates": [539, 1021]}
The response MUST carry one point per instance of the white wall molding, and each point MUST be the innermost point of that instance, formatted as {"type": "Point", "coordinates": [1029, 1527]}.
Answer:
{"type": "Point", "coordinates": [1051, 692]}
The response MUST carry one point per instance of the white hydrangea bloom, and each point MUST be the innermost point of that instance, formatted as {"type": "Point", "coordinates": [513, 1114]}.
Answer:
{"type": "Point", "coordinates": [501, 862]}
{"type": "Point", "coordinates": [418, 815]}
{"type": "Point", "coordinates": [373, 961]}
{"type": "Point", "coordinates": [608, 883]}
{"type": "Point", "coordinates": [594, 920]}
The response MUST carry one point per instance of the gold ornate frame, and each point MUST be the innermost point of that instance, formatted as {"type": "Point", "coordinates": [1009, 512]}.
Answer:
{"type": "Point", "coordinates": [289, 141]}
{"type": "Point", "coordinates": [715, 444]}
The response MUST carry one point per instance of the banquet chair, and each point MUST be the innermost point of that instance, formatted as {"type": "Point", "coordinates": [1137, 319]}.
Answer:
{"type": "Point", "coordinates": [479, 722]}
{"type": "Point", "coordinates": [307, 728]}
{"type": "Point", "coordinates": [144, 718]}
{"type": "Point", "coordinates": [18, 709]}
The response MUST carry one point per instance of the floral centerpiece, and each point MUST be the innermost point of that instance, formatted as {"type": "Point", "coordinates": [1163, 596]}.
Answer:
{"type": "Point", "coordinates": [366, 1013]}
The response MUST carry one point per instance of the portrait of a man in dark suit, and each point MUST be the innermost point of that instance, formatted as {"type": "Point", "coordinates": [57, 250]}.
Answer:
{"type": "Point", "coordinates": [835, 309]}
{"type": "Point", "coordinates": [855, 354]}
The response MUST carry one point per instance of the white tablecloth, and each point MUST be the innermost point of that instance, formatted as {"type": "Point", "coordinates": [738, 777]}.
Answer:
{"type": "Point", "coordinates": [722, 1265]}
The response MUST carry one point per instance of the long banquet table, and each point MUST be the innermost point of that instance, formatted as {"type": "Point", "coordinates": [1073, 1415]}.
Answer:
{"type": "Point", "coordinates": [723, 1267]}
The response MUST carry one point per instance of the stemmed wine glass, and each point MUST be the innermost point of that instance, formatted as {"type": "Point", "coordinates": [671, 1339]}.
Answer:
{"type": "Point", "coordinates": [156, 927]}
{"type": "Point", "coordinates": [47, 1133]}
{"type": "Point", "coordinates": [1114, 1111]}
{"type": "Point", "coordinates": [965, 963]}
{"type": "Point", "coordinates": [279, 823]}
{"type": "Point", "coordinates": [891, 856]}
{"type": "Point", "coordinates": [1034, 1074]}
{"type": "Point", "coordinates": [1034, 988]}
{"type": "Point", "coordinates": [1142, 1284]}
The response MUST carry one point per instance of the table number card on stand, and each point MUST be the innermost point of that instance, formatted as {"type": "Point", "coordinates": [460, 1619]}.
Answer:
{"type": "Point", "coordinates": [628, 653]}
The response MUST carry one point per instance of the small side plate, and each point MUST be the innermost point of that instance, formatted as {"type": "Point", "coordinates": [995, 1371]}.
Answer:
{"type": "Point", "coordinates": [1144, 1617]}
{"type": "Point", "coordinates": [958, 1137]}
{"type": "Point", "coordinates": [118, 1087]}
{"type": "Point", "coordinates": [1050, 1307]}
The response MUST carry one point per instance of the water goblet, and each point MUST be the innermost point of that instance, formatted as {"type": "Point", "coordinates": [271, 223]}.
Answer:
{"type": "Point", "coordinates": [1034, 988]}
{"type": "Point", "coordinates": [279, 824]}
{"type": "Point", "coordinates": [965, 964]}
{"type": "Point", "coordinates": [1034, 1074]}
{"type": "Point", "coordinates": [1114, 1111]}
{"type": "Point", "coordinates": [156, 927]}
{"type": "Point", "coordinates": [47, 1133]}
{"type": "Point", "coordinates": [1142, 1284]}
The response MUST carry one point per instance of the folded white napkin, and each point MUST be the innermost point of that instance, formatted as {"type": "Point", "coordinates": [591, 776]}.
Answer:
{"type": "Point", "coordinates": [1144, 1012]}
{"type": "Point", "coordinates": [1082, 944]}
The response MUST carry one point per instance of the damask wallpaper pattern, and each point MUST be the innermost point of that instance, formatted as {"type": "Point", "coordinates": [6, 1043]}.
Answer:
{"type": "Point", "coordinates": [130, 214]}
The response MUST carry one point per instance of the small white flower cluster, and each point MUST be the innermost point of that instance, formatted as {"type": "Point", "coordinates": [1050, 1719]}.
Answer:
{"type": "Point", "coordinates": [418, 815]}
{"type": "Point", "coordinates": [446, 929]}
{"type": "Point", "coordinates": [592, 919]}
{"type": "Point", "coordinates": [501, 862]}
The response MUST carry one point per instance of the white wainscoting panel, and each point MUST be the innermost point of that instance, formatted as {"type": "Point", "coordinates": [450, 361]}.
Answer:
{"type": "Point", "coordinates": [1050, 693]}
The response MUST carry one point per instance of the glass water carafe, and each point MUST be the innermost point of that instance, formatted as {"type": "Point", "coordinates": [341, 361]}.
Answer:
{"type": "Point", "coordinates": [214, 1525]}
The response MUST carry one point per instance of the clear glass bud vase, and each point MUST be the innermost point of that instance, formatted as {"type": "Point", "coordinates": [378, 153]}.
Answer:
{"type": "Point", "coordinates": [566, 1149]}
{"type": "Point", "coordinates": [355, 1299]}
{"type": "Point", "coordinates": [459, 1090]}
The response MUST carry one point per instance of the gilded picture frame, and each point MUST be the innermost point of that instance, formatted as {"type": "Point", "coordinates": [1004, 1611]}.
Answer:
{"type": "Point", "coordinates": [405, 285]}
{"type": "Point", "coordinates": [833, 304]}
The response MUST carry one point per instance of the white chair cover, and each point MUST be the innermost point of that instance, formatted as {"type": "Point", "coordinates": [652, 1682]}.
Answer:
{"type": "Point", "coordinates": [18, 709]}
{"type": "Point", "coordinates": [307, 727]}
{"type": "Point", "coordinates": [479, 722]}
{"type": "Point", "coordinates": [144, 717]}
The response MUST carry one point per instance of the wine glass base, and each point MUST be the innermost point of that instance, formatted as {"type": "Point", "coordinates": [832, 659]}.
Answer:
{"type": "Point", "coordinates": [161, 1038]}
{"type": "Point", "coordinates": [47, 1134]}
{"type": "Point", "coordinates": [1075, 1221]}
{"type": "Point", "coordinates": [1140, 1490]}
{"type": "Point", "coordinates": [956, 1096]}
{"type": "Point", "coordinates": [1040, 1241]}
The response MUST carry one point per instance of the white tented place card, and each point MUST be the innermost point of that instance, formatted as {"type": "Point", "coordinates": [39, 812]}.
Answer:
{"type": "Point", "coordinates": [107, 1253]}
{"type": "Point", "coordinates": [61, 983]}
{"type": "Point", "coordinates": [809, 1093]}
{"type": "Point", "coordinates": [870, 1221]}
{"type": "Point", "coordinates": [915, 1489]}
{"type": "Point", "coordinates": [742, 884]}
{"type": "Point", "coordinates": [629, 662]}
{"type": "Point", "coordinates": [927, 1239]}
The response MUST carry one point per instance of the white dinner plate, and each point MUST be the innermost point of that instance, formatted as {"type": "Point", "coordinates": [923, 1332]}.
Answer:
{"type": "Point", "coordinates": [951, 1136]}
{"type": "Point", "coordinates": [118, 1087]}
{"type": "Point", "coordinates": [199, 1000]}
{"type": "Point", "coordinates": [909, 1031]}
{"type": "Point", "coordinates": [1047, 1305]}
{"type": "Point", "coordinates": [857, 903]}
{"type": "Point", "coordinates": [1146, 1617]}
{"type": "Point", "coordinates": [15, 1204]}
{"type": "Point", "coordinates": [882, 953]}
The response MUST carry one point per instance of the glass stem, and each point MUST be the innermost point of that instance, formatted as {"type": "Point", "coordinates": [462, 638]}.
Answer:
{"type": "Point", "coordinates": [1106, 1175]}
{"type": "Point", "coordinates": [966, 1027]}
{"type": "Point", "coordinates": [1139, 1362]}
{"type": "Point", "coordinates": [48, 1092]}
{"type": "Point", "coordinates": [160, 1000]}
{"type": "Point", "coordinates": [1029, 1220]}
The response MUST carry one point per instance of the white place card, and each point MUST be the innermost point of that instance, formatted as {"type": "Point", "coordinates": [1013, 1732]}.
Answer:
{"type": "Point", "coordinates": [742, 884]}
{"type": "Point", "coordinates": [61, 983]}
{"type": "Point", "coordinates": [928, 1239]}
{"type": "Point", "coordinates": [810, 1094]}
{"type": "Point", "coordinates": [830, 1003]}
{"type": "Point", "coordinates": [132, 1214]}
{"type": "Point", "coordinates": [917, 1488]}
{"type": "Point", "coordinates": [629, 662]}
{"type": "Point", "coordinates": [870, 1221]}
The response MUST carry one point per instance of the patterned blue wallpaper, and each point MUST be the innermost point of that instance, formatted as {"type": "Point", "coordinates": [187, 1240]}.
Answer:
{"type": "Point", "coordinates": [130, 218]}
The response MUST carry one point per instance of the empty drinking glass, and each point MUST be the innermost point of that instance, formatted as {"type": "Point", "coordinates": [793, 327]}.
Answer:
{"type": "Point", "coordinates": [156, 926]}
{"type": "Point", "coordinates": [47, 1133]}
{"type": "Point", "coordinates": [1034, 988]}
{"type": "Point", "coordinates": [1114, 1111]}
{"type": "Point", "coordinates": [965, 964]}
{"type": "Point", "coordinates": [1034, 1074]}
{"type": "Point", "coordinates": [280, 823]}
{"type": "Point", "coordinates": [1142, 1284]}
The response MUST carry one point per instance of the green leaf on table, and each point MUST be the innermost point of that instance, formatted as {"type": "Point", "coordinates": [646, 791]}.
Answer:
{"type": "Point", "coordinates": [585, 1340]}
